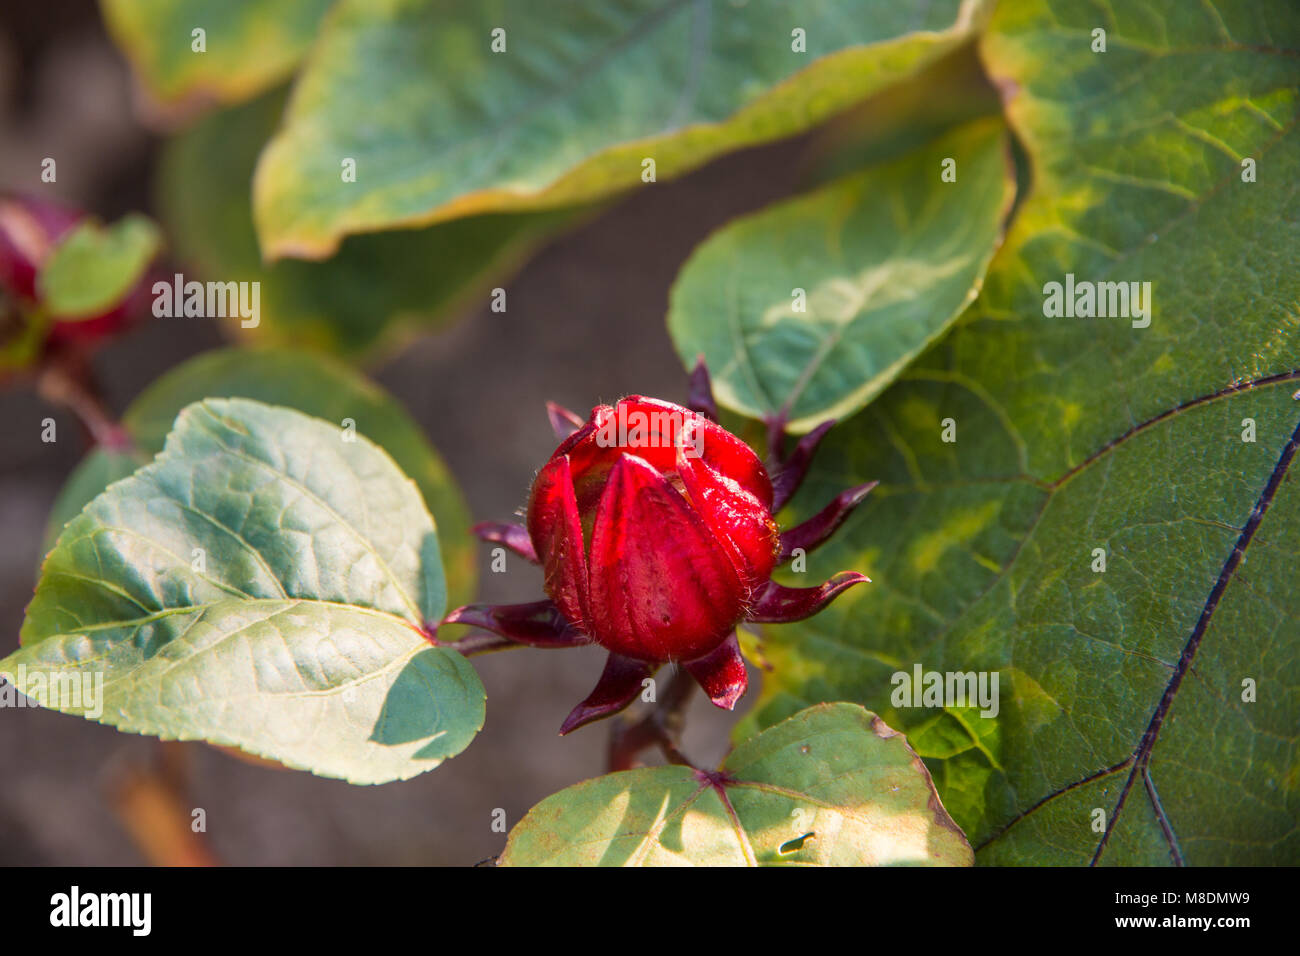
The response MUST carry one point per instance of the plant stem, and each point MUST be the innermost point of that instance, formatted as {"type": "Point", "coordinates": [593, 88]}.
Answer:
{"type": "Point", "coordinates": [67, 380]}
{"type": "Point", "coordinates": [480, 642]}
{"type": "Point", "coordinates": [661, 727]}
{"type": "Point", "coordinates": [150, 799]}
{"type": "Point", "coordinates": [477, 642]}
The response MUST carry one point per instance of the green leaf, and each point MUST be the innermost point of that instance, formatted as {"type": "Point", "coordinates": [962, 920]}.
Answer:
{"type": "Point", "coordinates": [581, 96]}
{"type": "Point", "coordinates": [831, 786]}
{"type": "Point", "coordinates": [250, 45]}
{"type": "Point", "coordinates": [1124, 691]}
{"type": "Point", "coordinates": [313, 384]}
{"type": "Point", "coordinates": [99, 469]}
{"type": "Point", "coordinates": [94, 267]}
{"type": "Point", "coordinates": [813, 306]}
{"type": "Point", "coordinates": [377, 291]}
{"type": "Point", "coordinates": [949, 92]}
{"type": "Point", "coordinates": [262, 584]}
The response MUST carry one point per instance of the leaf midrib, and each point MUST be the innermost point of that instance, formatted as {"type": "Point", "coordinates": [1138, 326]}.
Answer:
{"type": "Point", "coordinates": [938, 638]}
{"type": "Point", "coordinates": [417, 615]}
{"type": "Point", "coordinates": [286, 605]}
{"type": "Point", "coordinates": [1142, 753]}
{"type": "Point", "coordinates": [234, 600]}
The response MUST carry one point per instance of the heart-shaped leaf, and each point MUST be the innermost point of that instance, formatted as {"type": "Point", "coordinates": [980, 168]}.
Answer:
{"type": "Point", "coordinates": [377, 291]}
{"type": "Point", "coordinates": [262, 584]}
{"type": "Point", "coordinates": [544, 105]}
{"type": "Point", "coordinates": [831, 786]}
{"type": "Point", "coordinates": [245, 46]}
{"type": "Point", "coordinates": [310, 383]}
{"type": "Point", "coordinates": [94, 266]}
{"type": "Point", "coordinates": [1100, 511]}
{"type": "Point", "coordinates": [812, 307]}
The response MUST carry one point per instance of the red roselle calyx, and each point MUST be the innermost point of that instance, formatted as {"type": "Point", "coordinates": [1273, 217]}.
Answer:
{"type": "Point", "coordinates": [654, 527]}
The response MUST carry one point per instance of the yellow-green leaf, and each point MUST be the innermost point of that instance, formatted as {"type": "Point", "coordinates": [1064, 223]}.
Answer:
{"type": "Point", "coordinates": [578, 100]}
{"type": "Point", "coordinates": [831, 786]}
{"type": "Point", "coordinates": [264, 584]}
{"type": "Point", "coordinates": [812, 307]}
{"type": "Point", "coordinates": [310, 383]}
{"type": "Point", "coordinates": [1101, 511]}
{"type": "Point", "coordinates": [377, 291]}
{"type": "Point", "coordinates": [247, 45]}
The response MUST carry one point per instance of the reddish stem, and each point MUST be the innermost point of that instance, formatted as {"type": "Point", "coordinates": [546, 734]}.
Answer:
{"type": "Point", "coordinates": [661, 727]}
{"type": "Point", "coordinates": [480, 642]}
{"type": "Point", "coordinates": [67, 380]}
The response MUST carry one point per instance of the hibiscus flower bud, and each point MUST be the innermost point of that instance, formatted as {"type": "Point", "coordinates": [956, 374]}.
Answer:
{"type": "Point", "coordinates": [30, 231]}
{"type": "Point", "coordinates": [654, 528]}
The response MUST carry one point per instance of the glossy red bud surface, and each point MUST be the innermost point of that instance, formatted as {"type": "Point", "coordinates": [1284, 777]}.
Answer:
{"type": "Point", "coordinates": [652, 524]}
{"type": "Point", "coordinates": [654, 528]}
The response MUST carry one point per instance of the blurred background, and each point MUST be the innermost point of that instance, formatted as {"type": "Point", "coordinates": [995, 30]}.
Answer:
{"type": "Point", "coordinates": [585, 324]}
